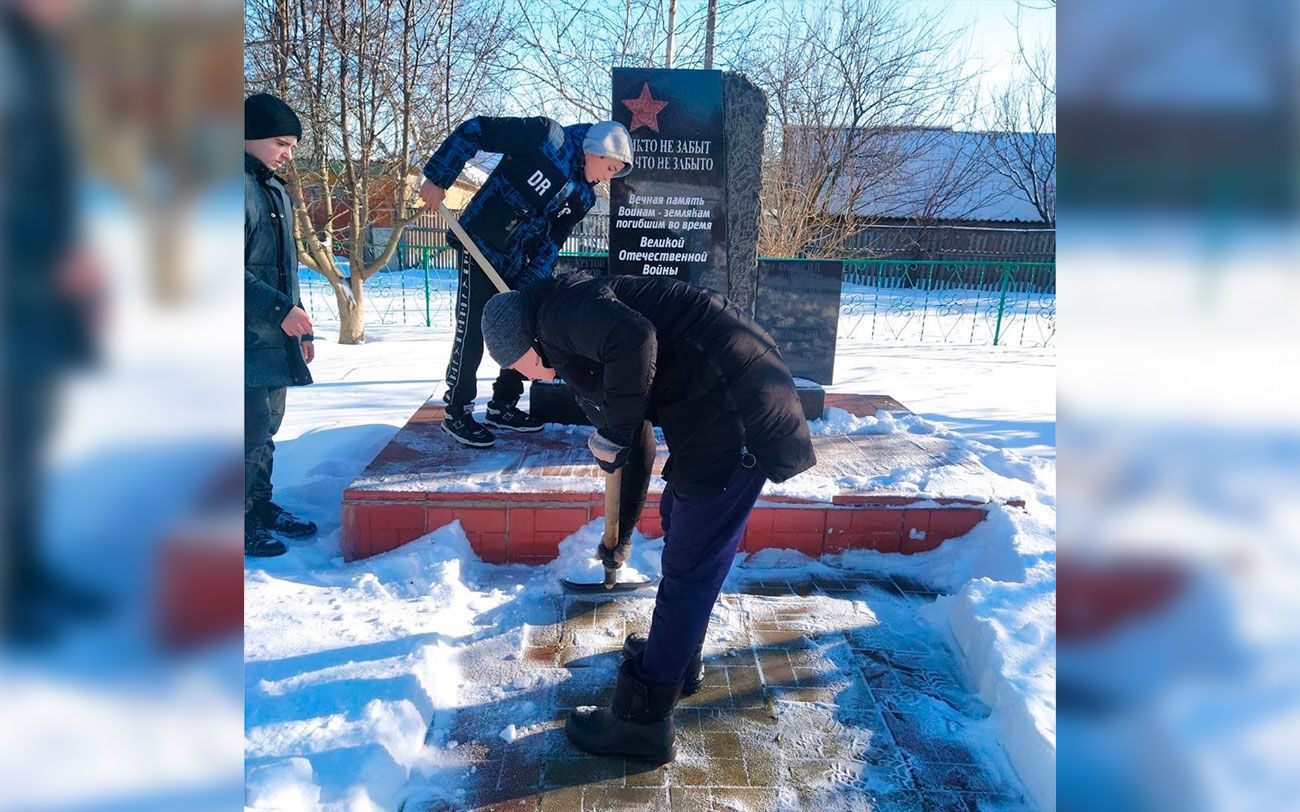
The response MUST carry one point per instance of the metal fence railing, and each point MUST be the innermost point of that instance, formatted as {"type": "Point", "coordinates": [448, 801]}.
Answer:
{"type": "Point", "coordinates": [881, 300]}
{"type": "Point", "coordinates": [908, 301]}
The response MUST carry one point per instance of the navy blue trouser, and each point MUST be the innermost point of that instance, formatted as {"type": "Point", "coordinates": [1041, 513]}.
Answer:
{"type": "Point", "coordinates": [701, 537]}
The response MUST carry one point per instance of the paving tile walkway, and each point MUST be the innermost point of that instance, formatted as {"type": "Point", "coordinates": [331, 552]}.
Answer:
{"type": "Point", "coordinates": [819, 694]}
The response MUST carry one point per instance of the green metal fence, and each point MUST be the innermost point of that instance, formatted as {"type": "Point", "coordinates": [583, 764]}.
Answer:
{"type": "Point", "coordinates": [973, 302]}
{"type": "Point", "coordinates": [881, 300]}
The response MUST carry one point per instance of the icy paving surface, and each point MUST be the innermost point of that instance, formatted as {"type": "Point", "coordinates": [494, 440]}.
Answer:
{"type": "Point", "coordinates": [823, 693]}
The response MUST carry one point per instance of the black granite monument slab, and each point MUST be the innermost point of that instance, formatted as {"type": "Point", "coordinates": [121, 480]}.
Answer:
{"type": "Point", "coordinates": [668, 217]}
{"type": "Point", "coordinates": [798, 302]}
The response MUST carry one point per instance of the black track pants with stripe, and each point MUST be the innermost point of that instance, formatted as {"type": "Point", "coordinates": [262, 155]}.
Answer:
{"type": "Point", "coordinates": [473, 291]}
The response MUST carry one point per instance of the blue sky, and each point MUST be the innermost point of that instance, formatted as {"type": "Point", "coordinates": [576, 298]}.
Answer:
{"type": "Point", "coordinates": [992, 29]}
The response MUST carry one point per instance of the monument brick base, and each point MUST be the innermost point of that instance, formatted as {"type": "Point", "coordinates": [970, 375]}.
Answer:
{"type": "Point", "coordinates": [518, 500]}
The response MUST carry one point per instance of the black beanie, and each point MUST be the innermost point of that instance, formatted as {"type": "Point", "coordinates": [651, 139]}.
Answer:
{"type": "Point", "coordinates": [265, 116]}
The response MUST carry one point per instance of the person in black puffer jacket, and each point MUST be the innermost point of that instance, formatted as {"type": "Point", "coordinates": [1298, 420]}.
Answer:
{"type": "Point", "coordinates": [632, 348]}
{"type": "Point", "coordinates": [278, 342]}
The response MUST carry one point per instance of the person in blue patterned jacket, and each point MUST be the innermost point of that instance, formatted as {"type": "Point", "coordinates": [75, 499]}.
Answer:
{"type": "Point", "coordinates": [540, 190]}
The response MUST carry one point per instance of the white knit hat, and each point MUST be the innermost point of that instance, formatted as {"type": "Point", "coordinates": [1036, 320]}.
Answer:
{"type": "Point", "coordinates": [612, 140]}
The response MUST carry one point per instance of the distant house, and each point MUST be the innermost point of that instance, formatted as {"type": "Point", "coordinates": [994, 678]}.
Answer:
{"type": "Point", "coordinates": [933, 193]}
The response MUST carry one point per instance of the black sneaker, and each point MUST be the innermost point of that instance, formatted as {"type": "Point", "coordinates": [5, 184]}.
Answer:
{"type": "Point", "coordinates": [258, 541]}
{"type": "Point", "coordinates": [278, 520]}
{"type": "Point", "coordinates": [465, 430]}
{"type": "Point", "coordinates": [509, 417]}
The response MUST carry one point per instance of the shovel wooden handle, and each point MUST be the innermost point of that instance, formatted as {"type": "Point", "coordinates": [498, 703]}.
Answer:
{"type": "Point", "coordinates": [613, 497]}
{"type": "Point", "coordinates": [468, 243]}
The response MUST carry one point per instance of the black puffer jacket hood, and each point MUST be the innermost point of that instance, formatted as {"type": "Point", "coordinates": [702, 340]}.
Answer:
{"type": "Point", "coordinates": [632, 347]}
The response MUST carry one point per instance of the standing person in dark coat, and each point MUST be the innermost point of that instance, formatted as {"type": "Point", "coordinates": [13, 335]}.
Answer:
{"type": "Point", "coordinates": [278, 340]}
{"type": "Point", "coordinates": [631, 347]}
{"type": "Point", "coordinates": [540, 190]}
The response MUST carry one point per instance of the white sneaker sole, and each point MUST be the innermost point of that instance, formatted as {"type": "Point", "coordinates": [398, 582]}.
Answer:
{"type": "Point", "coordinates": [463, 441]}
{"type": "Point", "coordinates": [487, 421]}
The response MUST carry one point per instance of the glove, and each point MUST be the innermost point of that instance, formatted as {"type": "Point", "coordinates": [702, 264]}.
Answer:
{"type": "Point", "coordinates": [614, 558]}
{"type": "Point", "coordinates": [609, 455]}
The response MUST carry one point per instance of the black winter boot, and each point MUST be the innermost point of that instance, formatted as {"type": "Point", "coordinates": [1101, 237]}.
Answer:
{"type": "Point", "coordinates": [278, 520]}
{"type": "Point", "coordinates": [258, 541]}
{"type": "Point", "coordinates": [638, 724]}
{"type": "Point", "coordinates": [634, 644]}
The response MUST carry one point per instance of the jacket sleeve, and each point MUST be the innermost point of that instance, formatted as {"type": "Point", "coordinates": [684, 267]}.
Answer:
{"type": "Point", "coordinates": [543, 262]}
{"type": "Point", "coordinates": [505, 135]}
{"type": "Point", "coordinates": [600, 327]}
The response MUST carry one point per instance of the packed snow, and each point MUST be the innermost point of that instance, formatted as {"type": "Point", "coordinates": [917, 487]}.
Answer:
{"type": "Point", "coordinates": [354, 669]}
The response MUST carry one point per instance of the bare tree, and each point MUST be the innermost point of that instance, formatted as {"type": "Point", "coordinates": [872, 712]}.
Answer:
{"type": "Point", "coordinates": [378, 84]}
{"type": "Point", "coordinates": [853, 88]}
{"type": "Point", "coordinates": [566, 49]}
{"type": "Point", "coordinates": [946, 177]}
{"type": "Point", "coordinates": [1022, 148]}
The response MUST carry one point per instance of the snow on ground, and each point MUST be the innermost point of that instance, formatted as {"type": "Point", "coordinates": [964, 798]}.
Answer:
{"type": "Point", "coordinates": [352, 669]}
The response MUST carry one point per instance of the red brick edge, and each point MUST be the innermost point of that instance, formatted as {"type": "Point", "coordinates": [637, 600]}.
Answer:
{"type": "Point", "coordinates": [503, 528]}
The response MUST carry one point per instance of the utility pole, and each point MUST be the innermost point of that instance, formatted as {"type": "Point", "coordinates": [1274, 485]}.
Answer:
{"type": "Point", "coordinates": [709, 32]}
{"type": "Point", "coordinates": [672, 23]}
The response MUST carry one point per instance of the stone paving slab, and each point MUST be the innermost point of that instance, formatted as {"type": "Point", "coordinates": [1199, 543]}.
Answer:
{"type": "Point", "coordinates": [797, 712]}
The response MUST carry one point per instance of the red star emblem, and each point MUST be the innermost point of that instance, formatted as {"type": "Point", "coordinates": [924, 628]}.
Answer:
{"type": "Point", "coordinates": [645, 110]}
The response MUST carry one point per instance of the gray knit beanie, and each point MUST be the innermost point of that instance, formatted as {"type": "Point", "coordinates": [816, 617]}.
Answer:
{"type": "Point", "coordinates": [612, 140]}
{"type": "Point", "coordinates": [507, 327]}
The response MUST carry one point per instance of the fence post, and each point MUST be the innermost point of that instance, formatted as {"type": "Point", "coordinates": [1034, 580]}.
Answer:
{"type": "Point", "coordinates": [425, 262]}
{"type": "Point", "coordinates": [1006, 277]}
{"type": "Point", "coordinates": [925, 308]}
{"type": "Point", "coordinates": [875, 304]}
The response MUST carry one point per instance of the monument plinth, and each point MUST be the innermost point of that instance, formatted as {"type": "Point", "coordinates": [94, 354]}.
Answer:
{"type": "Point", "coordinates": [519, 499]}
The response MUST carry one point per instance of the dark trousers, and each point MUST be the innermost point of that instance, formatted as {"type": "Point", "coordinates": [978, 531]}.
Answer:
{"type": "Point", "coordinates": [263, 413]}
{"type": "Point", "coordinates": [701, 537]}
{"type": "Point", "coordinates": [472, 293]}
{"type": "Point", "coordinates": [27, 420]}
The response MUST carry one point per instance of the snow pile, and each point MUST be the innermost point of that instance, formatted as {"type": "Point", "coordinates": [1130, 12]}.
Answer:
{"type": "Point", "coordinates": [999, 613]}
{"type": "Point", "coordinates": [577, 561]}
{"type": "Point", "coordinates": [987, 551]}
{"type": "Point", "coordinates": [287, 784]}
{"type": "Point", "coordinates": [1005, 628]}
{"type": "Point", "coordinates": [970, 469]}
{"type": "Point", "coordinates": [349, 666]}
{"type": "Point", "coordinates": [838, 421]}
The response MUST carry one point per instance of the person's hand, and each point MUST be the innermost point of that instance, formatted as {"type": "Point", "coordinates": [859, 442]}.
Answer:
{"type": "Point", "coordinates": [431, 195]}
{"type": "Point", "coordinates": [309, 351]}
{"type": "Point", "coordinates": [613, 559]}
{"type": "Point", "coordinates": [297, 323]}
{"type": "Point", "coordinates": [610, 456]}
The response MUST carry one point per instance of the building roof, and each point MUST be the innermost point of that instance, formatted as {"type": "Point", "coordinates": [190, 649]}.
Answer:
{"type": "Point", "coordinates": [922, 173]}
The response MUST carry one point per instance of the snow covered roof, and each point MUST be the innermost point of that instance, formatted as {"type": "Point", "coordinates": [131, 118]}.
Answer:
{"type": "Point", "coordinates": [910, 173]}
